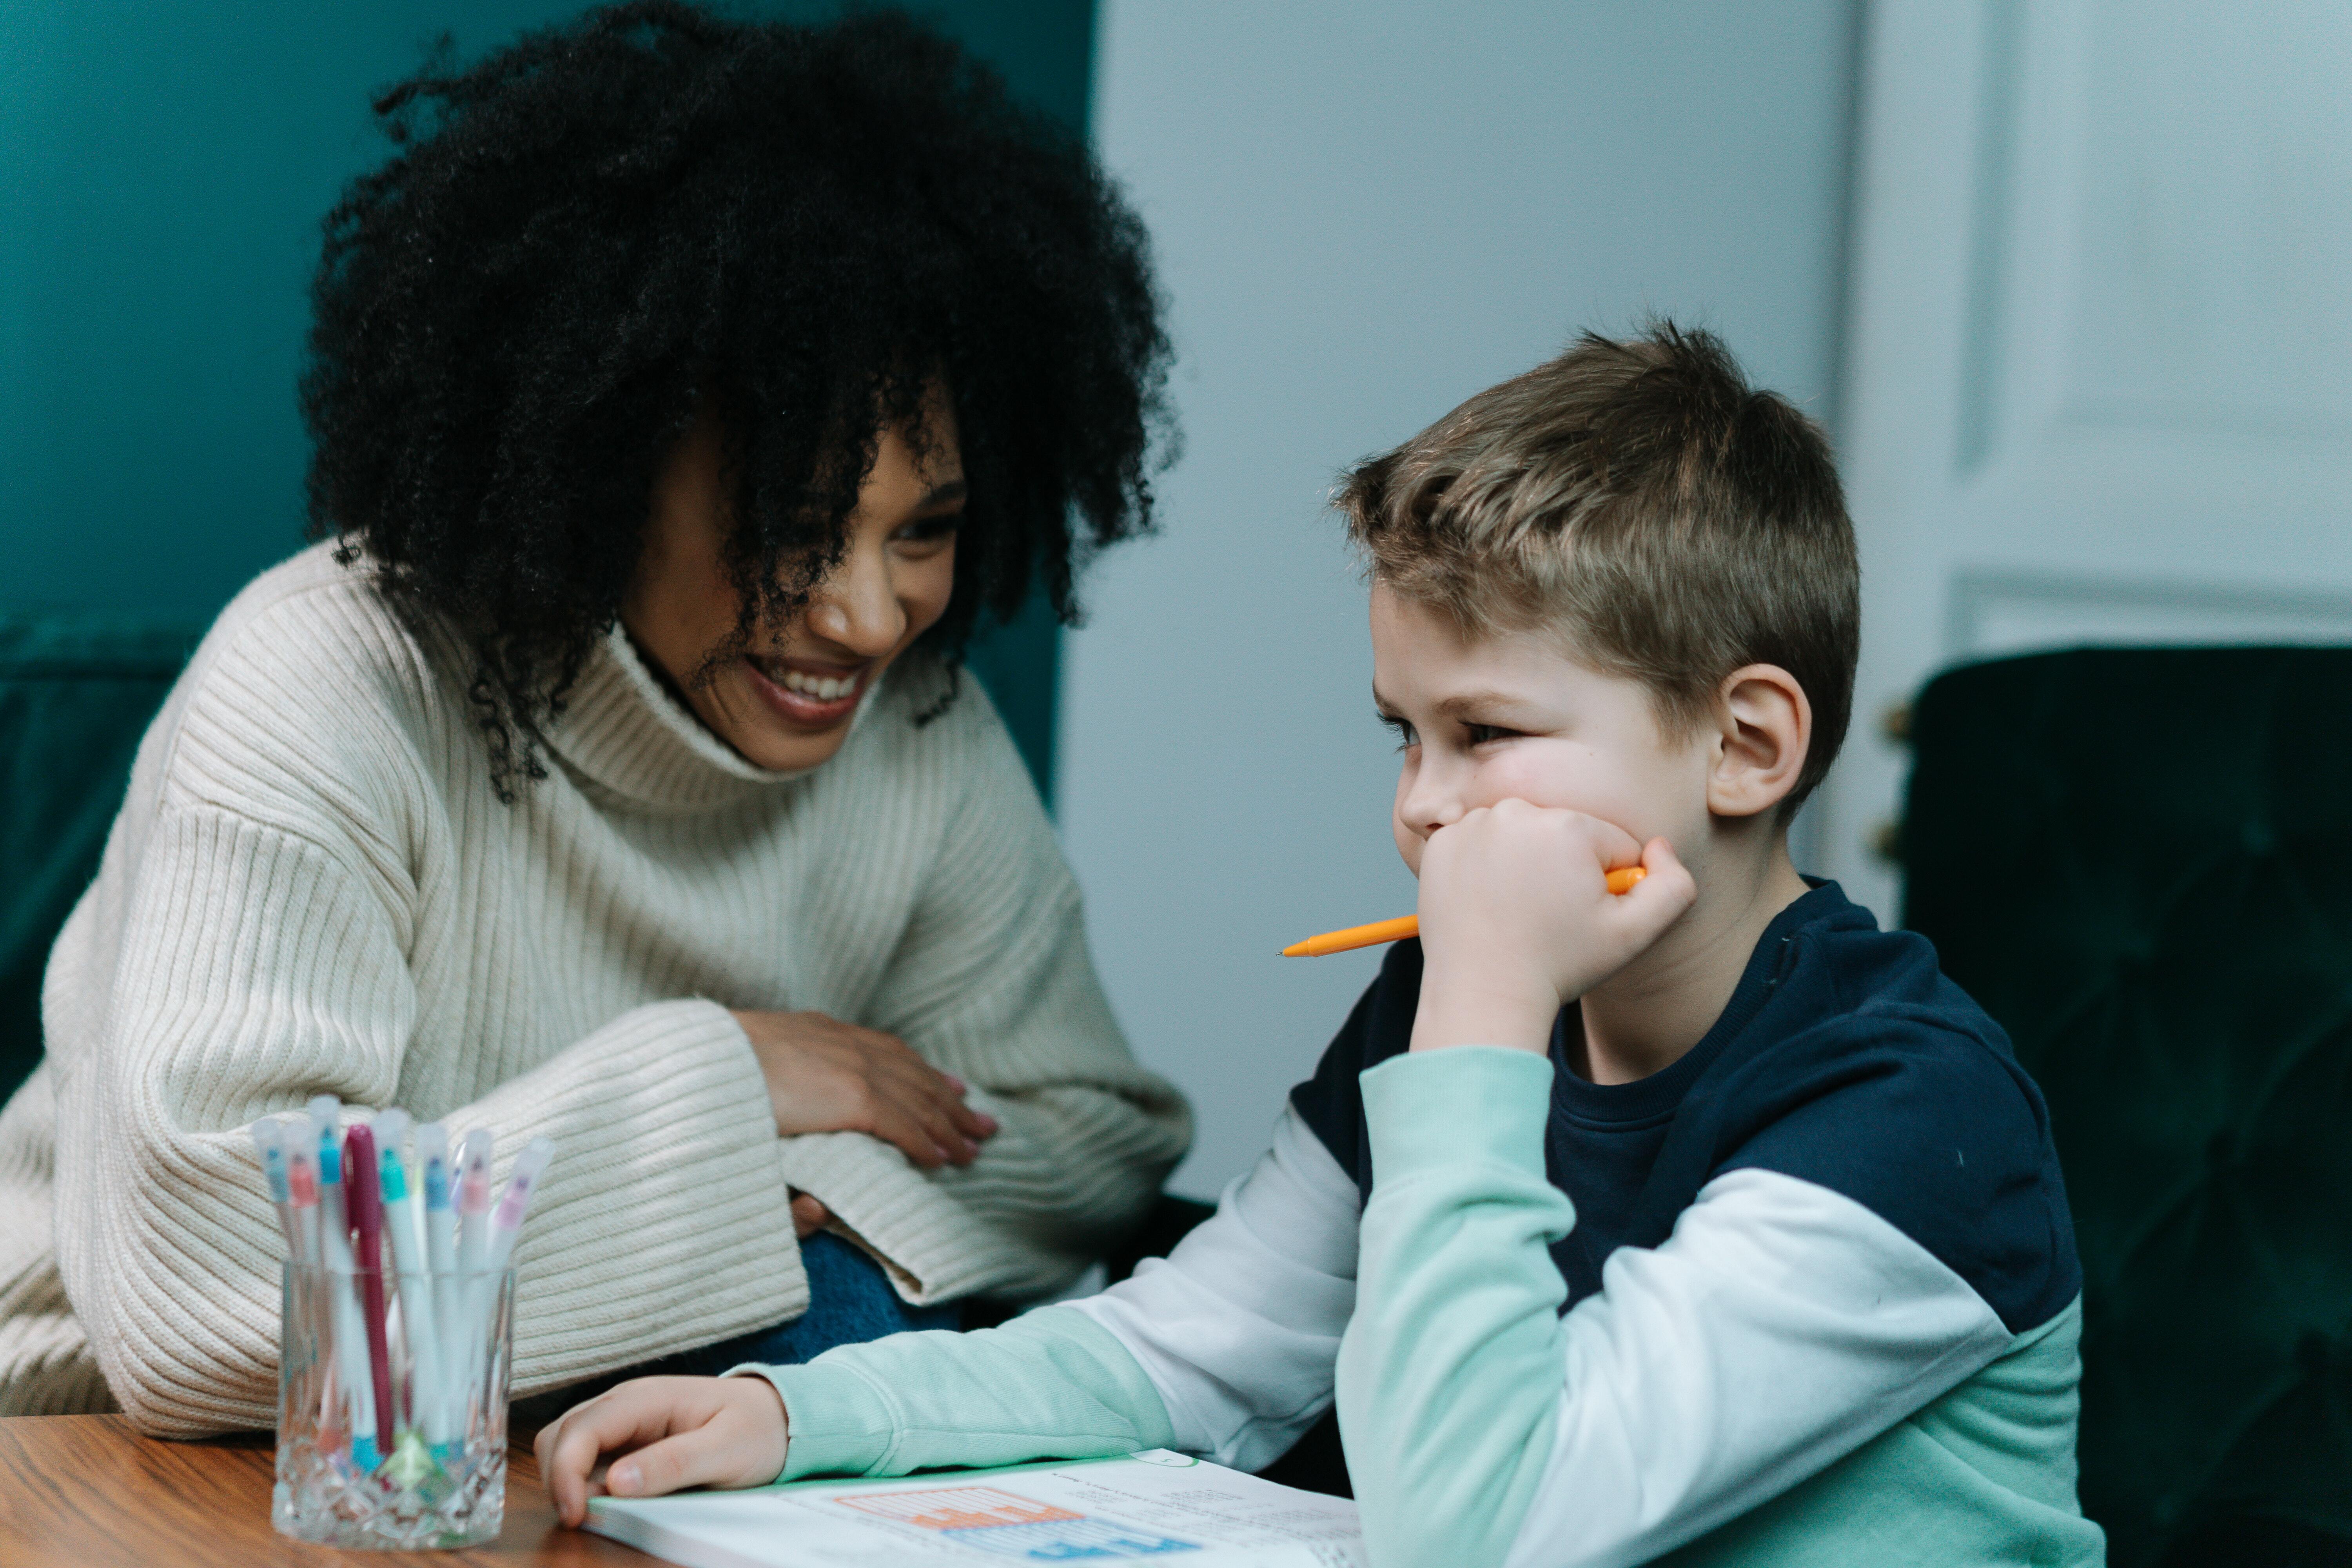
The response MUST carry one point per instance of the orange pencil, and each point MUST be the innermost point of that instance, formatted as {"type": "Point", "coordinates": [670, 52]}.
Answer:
{"type": "Point", "coordinates": [1619, 880]}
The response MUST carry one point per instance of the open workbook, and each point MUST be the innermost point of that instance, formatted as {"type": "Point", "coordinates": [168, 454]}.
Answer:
{"type": "Point", "coordinates": [1152, 1504]}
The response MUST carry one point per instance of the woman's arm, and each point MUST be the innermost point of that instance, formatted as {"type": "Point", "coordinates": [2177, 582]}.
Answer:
{"type": "Point", "coordinates": [992, 982]}
{"type": "Point", "coordinates": [254, 968]}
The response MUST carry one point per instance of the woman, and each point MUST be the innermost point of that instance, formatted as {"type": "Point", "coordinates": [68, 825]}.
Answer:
{"type": "Point", "coordinates": [680, 391]}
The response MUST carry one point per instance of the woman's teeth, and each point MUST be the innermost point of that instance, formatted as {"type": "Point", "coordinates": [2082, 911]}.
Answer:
{"type": "Point", "coordinates": [825, 688]}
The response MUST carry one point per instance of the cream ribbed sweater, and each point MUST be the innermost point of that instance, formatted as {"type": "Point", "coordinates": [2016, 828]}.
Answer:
{"type": "Point", "coordinates": [312, 888]}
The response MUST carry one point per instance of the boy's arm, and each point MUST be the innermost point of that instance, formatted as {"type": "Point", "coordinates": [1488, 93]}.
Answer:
{"type": "Point", "coordinates": [1225, 1349]}
{"type": "Point", "coordinates": [1239, 1329]}
{"type": "Point", "coordinates": [1780, 1327]}
{"type": "Point", "coordinates": [1049, 1384]}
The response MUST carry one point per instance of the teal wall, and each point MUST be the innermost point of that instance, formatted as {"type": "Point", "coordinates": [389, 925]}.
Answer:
{"type": "Point", "coordinates": [164, 167]}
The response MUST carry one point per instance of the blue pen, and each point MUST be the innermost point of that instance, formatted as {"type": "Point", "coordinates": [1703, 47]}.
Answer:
{"type": "Point", "coordinates": [403, 1227]}
{"type": "Point", "coordinates": [269, 1141]}
{"type": "Point", "coordinates": [441, 1259]}
{"type": "Point", "coordinates": [440, 1214]}
{"type": "Point", "coordinates": [326, 1117]}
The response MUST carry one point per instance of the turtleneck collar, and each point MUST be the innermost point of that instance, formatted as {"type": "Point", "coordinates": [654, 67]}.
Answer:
{"type": "Point", "coordinates": [623, 731]}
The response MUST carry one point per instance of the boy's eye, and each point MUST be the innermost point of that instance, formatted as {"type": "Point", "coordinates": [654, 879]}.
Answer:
{"type": "Point", "coordinates": [1406, 737]}
{"type": "Point", "coordinates": [1479, 734]}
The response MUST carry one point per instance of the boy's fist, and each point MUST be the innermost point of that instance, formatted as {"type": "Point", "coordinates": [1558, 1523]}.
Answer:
{"type": "Point", "coordinates": [664, 1434]}
{"type": "Point", "coordinates": [1518, 920]}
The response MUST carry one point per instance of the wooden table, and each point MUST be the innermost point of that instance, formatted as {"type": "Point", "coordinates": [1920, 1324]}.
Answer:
{"type": "Point", "coordinates": [86, 1491]}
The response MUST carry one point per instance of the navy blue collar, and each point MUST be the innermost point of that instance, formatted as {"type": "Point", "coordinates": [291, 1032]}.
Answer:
{"type": "Point", "coordinates": [1658, 1095]}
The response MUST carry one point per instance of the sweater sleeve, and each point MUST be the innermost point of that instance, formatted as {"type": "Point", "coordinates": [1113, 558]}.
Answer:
{"type": "Point", "coordinates": [1052, 1384]}
{"type": "Point", "coordinates": [1781, 1326]}
{"type": "Point", "coordinates": [992, 982]}
{"type": "Point", "coordinates": [1222, 1348]}
{"type": "Point", "coordinates": [1239, 1326]}
{"type": "Point", "coordinates": [254, 969]}
{"type": "Point", "coordinates": [1453, 1353]}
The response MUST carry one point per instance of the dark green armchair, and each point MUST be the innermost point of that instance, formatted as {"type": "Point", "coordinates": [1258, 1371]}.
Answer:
{"type": "Point", "coordinates": [2140, 862]}
{"type": "Point", "coordinates": [76, 694]}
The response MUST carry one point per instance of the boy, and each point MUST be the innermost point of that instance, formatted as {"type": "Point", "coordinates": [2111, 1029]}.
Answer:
{"type": "Point", "coordinates": [1706, 1219]}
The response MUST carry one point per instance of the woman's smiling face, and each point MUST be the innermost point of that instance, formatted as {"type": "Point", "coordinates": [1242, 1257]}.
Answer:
{"type": "Point", "coordinates": [787, 703]}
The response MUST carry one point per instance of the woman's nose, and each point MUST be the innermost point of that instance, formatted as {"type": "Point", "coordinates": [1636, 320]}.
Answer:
{"type": "Point", "coordinates": [856, 607]}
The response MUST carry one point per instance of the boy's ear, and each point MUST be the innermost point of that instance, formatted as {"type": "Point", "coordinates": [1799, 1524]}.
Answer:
{"type": "Point", "coordinates": [1767, 727]}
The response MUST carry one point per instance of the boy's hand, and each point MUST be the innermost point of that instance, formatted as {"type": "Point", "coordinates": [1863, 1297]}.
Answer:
{"type": "Point", "coordinates": [674, 1431]}
{"type": "Point", "coordinates": [1518, 920]}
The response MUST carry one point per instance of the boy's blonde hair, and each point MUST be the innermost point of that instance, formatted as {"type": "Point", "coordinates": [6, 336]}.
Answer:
{"type": "Point", "coordinates": [1638, 497]}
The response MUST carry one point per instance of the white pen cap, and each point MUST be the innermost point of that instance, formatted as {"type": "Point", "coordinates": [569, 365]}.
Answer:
{"type": "Point", "coordinates": [473, 1184]}
{"type": "Point", "coordinates": [433, 1163]}
{"type": "Point", "coordinates": [301, 1162]}
{"type": "Point", "coordinates": [327, 1127]}
{"type": "Point", "coordinates": [515, 1201]}
{"type": "Point", "coordinates": [391, 1129]}
{"type": "Point", "coordinates": [269, 1142]}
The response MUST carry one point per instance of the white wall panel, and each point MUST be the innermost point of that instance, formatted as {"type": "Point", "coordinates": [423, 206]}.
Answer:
{"type": "Point", "coordinates": [1364, 212]}
{"type": "Point", "coordinates": [2100, 380]}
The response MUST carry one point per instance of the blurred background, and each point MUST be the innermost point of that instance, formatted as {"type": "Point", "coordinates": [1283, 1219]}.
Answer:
{"type": "Point", "coordinates": [2071, 283]}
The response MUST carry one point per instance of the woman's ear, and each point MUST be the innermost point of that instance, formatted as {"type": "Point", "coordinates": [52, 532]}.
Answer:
{"type": "Point", "coordinates": [1767, 728]}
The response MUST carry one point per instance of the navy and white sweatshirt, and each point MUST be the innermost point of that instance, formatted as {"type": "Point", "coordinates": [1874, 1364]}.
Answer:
{"type": "Point", "coordinates": [1808, 1296]}
{"type": "Point", "coordinates": [1844, 1059]}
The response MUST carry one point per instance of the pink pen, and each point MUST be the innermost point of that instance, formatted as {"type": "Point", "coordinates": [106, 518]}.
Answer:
{"type": "Point", "coordinates": [473, 1202]}
{"type": "Point", "coordinates": [302, 1192]}
{"type": "Point", "coordinates": [363, 1198]}
{"type": "Point", "coordinates": [515, 1201]}
{"type": "Point", "coordinates": [476, 1292]}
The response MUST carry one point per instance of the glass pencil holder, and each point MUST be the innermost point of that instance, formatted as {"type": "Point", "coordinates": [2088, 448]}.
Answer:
{"type": "Point", "coordinates": [392, 1407]}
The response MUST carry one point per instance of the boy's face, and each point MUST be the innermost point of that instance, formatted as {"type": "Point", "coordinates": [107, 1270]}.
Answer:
{"type": "Point", "coordinates": [1509, 716]}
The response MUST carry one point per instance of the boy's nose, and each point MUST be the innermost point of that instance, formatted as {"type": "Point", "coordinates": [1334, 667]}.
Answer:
{"type": "Point", "coordinates": [1429, 807]}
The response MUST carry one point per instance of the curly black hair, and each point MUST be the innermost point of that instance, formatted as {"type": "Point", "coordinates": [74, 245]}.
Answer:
{"type": "Point", "coordinates": [587, 237]}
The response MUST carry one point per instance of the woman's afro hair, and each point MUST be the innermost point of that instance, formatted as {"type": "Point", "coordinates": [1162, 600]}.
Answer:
{"type": "Point", "coordinates": [591, 235]}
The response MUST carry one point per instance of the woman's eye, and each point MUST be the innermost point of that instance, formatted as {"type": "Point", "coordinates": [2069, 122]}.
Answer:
{"type": "Point", "coordinates": [928, 530]}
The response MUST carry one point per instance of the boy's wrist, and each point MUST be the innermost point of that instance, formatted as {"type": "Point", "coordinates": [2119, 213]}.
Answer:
{"type": "Point", "coordinates": [835, 1423]}
{"type": "Point", "coordinates": [1470, 1012]}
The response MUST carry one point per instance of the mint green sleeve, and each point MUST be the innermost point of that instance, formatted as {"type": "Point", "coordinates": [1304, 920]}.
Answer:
{"type": "Point", "coordinates": [1450, 1373]}
{"type": "Point", "coordinates": [1052, 1383]}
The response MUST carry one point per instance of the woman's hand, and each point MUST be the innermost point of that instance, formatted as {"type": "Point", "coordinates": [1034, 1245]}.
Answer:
{"type": "Point", "coordinates": [674, 1431]}
{"type": "Point", "coordinates": [825, 1075]}
{"type": "Point", "coordinates": [809, 1217]}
